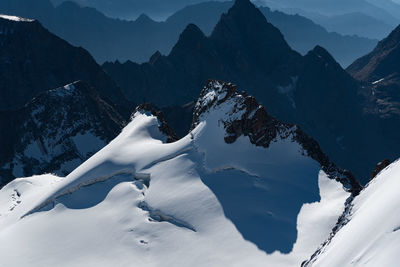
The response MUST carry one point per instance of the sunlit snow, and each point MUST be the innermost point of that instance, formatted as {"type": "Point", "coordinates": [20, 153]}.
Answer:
{"type": "Point", "coordinates": [140, 201]}
{"type": "Point", "coordinates": [15, 18]}
{"type": "Point", "coordinates": [371, 237]}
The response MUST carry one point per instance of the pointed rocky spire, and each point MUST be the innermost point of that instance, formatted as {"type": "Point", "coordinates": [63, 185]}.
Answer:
{"type": "Point", "coordinates": [192, 33]}
{"type": "Point", "coordinates": [320, 54]}
{"type": "Point", "coordinates": [143, 18]}
{"type": "Point", "coordinates": [244, 27]}
{"type": "Point", "coordinates": [189, 38]}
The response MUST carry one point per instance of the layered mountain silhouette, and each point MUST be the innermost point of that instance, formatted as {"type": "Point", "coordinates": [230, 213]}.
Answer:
{"type": "Point", "coordinates": [110, 39]}
{"type": "Point", "coordinates": [312, 91]}
{"type": "Point", "coordinates": [351, 23]}
{"type": "Point", "coordinates": [34, 60]}
{"type": "Point", "coordinates": [131, 9]}
{"type": "Point", "coordinates": [386, 11]}
{"type": "Point", "coordinates": [301, 33]}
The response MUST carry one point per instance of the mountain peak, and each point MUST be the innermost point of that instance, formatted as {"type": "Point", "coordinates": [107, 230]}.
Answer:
{"type": "Point", "coordinates": [191, 37]}
{"type": "Point", "coordinates": [321, 51]}
{"type": "Point", "coordinates": [155, 57]}
{"type": "Point", "coordinates": [144, 18]}
{"type": "Point", "coordinates": [243, 3]}
{"type": "Point", "coordinates": [244, 9]}
{"type": "Point", "coordinates": [242, 115]}
{"type": "Point", "coordinates": [192, 30]}
{"type": "Point", "coordinates": [244, 30]}
{"type": "Point", "coordinates": [322, 54]}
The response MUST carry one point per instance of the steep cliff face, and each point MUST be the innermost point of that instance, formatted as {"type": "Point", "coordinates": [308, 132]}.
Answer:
{"type": "Point", "coordinates": [56, 131]}
{"type": "Point", "coordinates": [382, 62]}
{"type": "Point", "coordinates": [379, 73]}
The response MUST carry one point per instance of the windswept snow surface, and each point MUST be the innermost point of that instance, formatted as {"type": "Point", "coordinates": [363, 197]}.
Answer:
{"type": "Point", "coordinates": [195, 202]}
{"type": "Point", "coordinates": [372, 235]}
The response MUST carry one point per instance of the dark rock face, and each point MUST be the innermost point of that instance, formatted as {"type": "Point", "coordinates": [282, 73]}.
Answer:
{"type": "Point", "coordinates": [179, 117]}
{"type": "Point", "coordinates": [383, 61]}
{"type": "Point", "coordinates": [262, 129]}
{"type": "Point", "coordinates": [312, 91]}
{"type": "Point", "coordinates": [56, 131]}
{"type": "Point", "coordinates": [164, 127]}
{"type": "Point", "coordinates": [380, 167]}
{"type": "Point", "coordinates": [379, 73]}
{"type": "Point", "coordinates": [33, 60]}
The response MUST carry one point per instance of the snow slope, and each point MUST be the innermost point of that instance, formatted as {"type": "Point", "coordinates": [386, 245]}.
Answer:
{"type": "Point", "coordinates": [371, 236]}
{"type": "Point", "coordinates": [200, 201]}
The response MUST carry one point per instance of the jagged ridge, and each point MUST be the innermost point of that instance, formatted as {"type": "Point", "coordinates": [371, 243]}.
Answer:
{"type": "Point", "coordinates": [254, 122]}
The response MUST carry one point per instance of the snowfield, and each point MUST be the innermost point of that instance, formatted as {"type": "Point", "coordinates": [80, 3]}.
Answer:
{"type": "Point", "coordinates": [196, 202]}
{"type": "Point", "coordinates": [371, 237]}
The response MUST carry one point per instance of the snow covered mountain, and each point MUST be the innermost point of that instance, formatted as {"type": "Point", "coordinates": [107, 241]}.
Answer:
{"type": "Point", "coordinates": [56, 131]}
{"type": "Point", "coordinates": [368, 233]}
{"type": "Point", "coordinates": [241, 189]}
{"type": "Point", "coordinates": [312, 91]}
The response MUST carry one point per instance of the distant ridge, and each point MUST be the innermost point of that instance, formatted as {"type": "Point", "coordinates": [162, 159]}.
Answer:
{"type": "Point", "coordinates": [110, 39]}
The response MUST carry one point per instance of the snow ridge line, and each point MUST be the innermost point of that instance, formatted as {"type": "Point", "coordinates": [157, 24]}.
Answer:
{"type": "Point", "coordinates": [168, 157]}
{"type": "Point", "coordinates": [342, 221]}
{"type": "Point", "coordinates": [102, 179]}
{"type": "Point", "coordinates": [76, 188]}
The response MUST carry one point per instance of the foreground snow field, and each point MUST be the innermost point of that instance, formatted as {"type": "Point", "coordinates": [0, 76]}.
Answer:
{"type": "Point", "coordinates": [371, 235]}
{"type": "Point", "coordinates": [200, 201]}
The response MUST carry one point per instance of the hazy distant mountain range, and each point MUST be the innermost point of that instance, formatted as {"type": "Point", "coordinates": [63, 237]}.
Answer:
{"type": "Point", "coordinates": [131, 9]}
{"type": "Point", "coordinates": [386, 11]}
{"type": "Point", "coordinates": [111, 39]}
{"type": "Point", "coordinates": [355, 23]}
